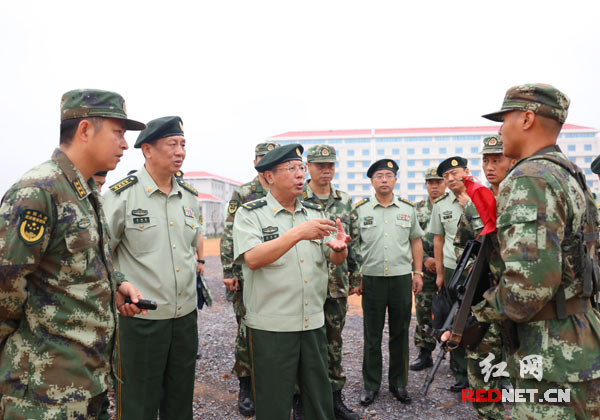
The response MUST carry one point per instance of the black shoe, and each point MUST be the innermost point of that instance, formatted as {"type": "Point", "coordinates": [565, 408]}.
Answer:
{"type": "Point", "coordinates": [459, 386]}
{"type": "Point", "coordinates": [422, 361]}
{"type": "Point", "coordinates": [367, 397]}
{"type": "Point", "coordinates": [245, 401]}
{"type": "Point", "coordinates": [297, 408]}
{"type": "Point", "coordinates": [401, 395]}
{"type": "Point", "coordinates": [340, 410]}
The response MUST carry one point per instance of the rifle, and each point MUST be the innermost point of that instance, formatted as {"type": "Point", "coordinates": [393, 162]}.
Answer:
{"type": "Point", "coordinates": [462, 294]}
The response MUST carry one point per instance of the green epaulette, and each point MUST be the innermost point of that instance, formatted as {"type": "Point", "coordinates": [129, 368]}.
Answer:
{"type": "Point", "coordinates": [404, 200]}
{"type": "Point", "coordinates": [124, 184]}
{"type": "Point", "coordinates": [312, 205]}
{"type": "Point", "coordinates": [441, 197]}
{"type": "Point", "coordinates": [251, 205]}
{"type": "Point", "coordinates": [361, 202]}
{"type": "Point", "coordinates": [186, 186]}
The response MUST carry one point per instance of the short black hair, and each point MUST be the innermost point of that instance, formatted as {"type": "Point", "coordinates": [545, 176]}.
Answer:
{"type": "Point", "coordinates": [69, 127]}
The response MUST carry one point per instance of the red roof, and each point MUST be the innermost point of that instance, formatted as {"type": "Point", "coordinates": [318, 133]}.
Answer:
{"type": "Point", "coordinates": [401, 131]}
{"type": "Point", "coordinates": [205, 196]}
{"type": "Point", "coordinates": [202, 174]}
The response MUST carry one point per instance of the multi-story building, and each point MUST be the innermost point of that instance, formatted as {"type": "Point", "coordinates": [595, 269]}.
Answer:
{"type": "Point", "coordinates": [416, 149]}
{"type": "Point", "coordinates": [214, 193]}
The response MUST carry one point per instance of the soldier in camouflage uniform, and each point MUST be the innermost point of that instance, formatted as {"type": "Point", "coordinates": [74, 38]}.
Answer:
{"type": "Point", "coordinates": [234, 280]}
{"type": "Point", "coordinates": [425, 342]}
{"type": "Point", "coordinates": [545, 286]}
{"type": "Point", "coordinates": [595, 167]}
{"type": "Point", "coordinates": [337, 204]}
{"type": "Point", "coordinates": [495, 165]}
{"type": "Point", "coordinates": [59, 293]}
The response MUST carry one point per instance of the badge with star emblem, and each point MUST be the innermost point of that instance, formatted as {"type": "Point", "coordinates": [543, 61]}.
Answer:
{"type": "Point", "coordinates": [32, 226]}
{"type": "Point", "coordinates": [233, 206]}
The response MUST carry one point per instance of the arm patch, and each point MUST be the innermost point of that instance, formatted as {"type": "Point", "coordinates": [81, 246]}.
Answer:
{"type": "Point", "coordinates": [123, 184]}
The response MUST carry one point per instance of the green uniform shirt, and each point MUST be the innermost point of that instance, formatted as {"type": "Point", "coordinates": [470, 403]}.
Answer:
{"type": "Point", "coordinates": [444, 221]}
{"type": "Point", "coordinates": [154, 239]}
{"type": "Point", "coordinates": [337, 205]}
{"type": "Point", "coordinates": [383, 235]}
{"type": "Point", "coordinates": [57, 307]}
{"type": "Point", "coordinates": [288, 294]}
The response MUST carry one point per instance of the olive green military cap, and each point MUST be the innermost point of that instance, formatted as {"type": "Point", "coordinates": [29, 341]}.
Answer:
{"type": "Point", "coordinates": [320, 153]}
{"type": "Point", "coordinates": [451, 163]}
{"type": "Point", "coordinates": [544, 100]}
{"type": "Point", "coordinates": [596, 165]}
{"type": "Point", "coordinates": [431, 173]}
{"type": "Point", "coordinates": [160, 128]}
{"type": "Point", "coordinates": [387, 164]}
{"type": "Point", "coordinates": [81, 103]}
{"type": "Point", "coordinates": [280, 155]}
{"type": "Point", "coordinates": [492, 145]}
{"type": "Point", "coordinates": [262, 149]}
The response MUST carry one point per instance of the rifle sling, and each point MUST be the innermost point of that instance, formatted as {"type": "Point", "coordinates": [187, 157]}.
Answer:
{"type": "Point", "coordinates": [572, 306]}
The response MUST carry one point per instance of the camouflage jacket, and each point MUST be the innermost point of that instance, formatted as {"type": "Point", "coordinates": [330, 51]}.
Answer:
{"type": "Point", "coordinates": [250, 191]}
{"type": "Point", "coordinates": [57, 312]}
{"type": "Point", "coordinates": [338, 205]}
{"type": "Point", "coordinates": [424, 208]}
{"type": "Point", "coordinates": [541, 208]}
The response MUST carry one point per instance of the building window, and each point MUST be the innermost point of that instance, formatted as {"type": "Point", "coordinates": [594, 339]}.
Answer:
{"type": "Point", "coordinates": [365, 187]}
{"type": "Point", "coordinates": [411, 174]}
{"type": "Point", "coordinates": [588, 159]}
{"type": "Point", "coordinates": [397, 187]}
{"type": "Point", "coordinates": [458, 150]}
{"type": "Point", "coordinates": [411, 186]}
{"type": "Point", "coordinates": [365, 152]}
{"type": "Point", "coordinates": [474, 150]}
{"type": "Point", "coordinates": [380, 151]}
{"type": "Point", "coordinates": [573, 159]}
{"type": "Point", "coordinates": [336, 176]}
{"type": "Point", "coordinates": [410, 162]}
{"type": "Point", "coordinates": [588, 171]}
{"type": "Point", "coordinates": [443, 150]}
{"type": "Point", "coordinates": [412, 197]}
{"type": "Point", "coordinates": [351, 187]}
{"type": "Point", "coordinates": [395, 151]}
{"type": "Point", "coordinates": [365, 163]}
{"type": "Point", "coordinates": [364, 175]}
{"type": "Point", "coordinates": [350, 152]}
{"type": "Point", "coordinates": [425, 150]}
{"type": "Point", "coordinates": [571, 147]}
{"type": "Point", "coordinates": [350, 164]}
{"type": "Point", "coordinates": [410, 151]}
{"type": "Point", "coordinates": [337, 164]}
{"type": "Point", "coordinates": [425, 162]}
{"type": "Point", "coordinates": [475, 173]}
{"type": "Point", "coordinates": [475, 161]}
{"type": "Point", "coordinates": [350, 175]}
{"type": "Point", "coordinates": [587, 147]}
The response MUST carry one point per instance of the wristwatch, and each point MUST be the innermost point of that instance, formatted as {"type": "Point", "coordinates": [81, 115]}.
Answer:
{"type": "Point", "coordinates": [420, 273]}
{"type": "Point", "coordinates": [202, 261]}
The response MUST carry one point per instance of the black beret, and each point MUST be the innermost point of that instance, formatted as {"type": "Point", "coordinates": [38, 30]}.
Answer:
{"type": "Point", "coordinates": [451, 163]}
{"type": "Point", "coordinates": [388, 164]}
{"type": "Point", "coordinates": [101, 173]}
{"type": "Point", "coordinates": [596, 165]}
{"type": "Point", "coordinates": [280, 155]}
{"type": "Point", "coordinates": [160, 128]}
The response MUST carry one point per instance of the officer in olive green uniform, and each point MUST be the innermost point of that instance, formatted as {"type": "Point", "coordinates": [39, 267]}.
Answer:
{"type": "Point", "coordinates": [596, 169]}
{"type": "Point", "coordinates": [234, 280]}
{"type": "Point", "coordinates": [59, 293]}
{"type": "Point", "coordinates": [425, 342]}
{"type": "Point", "coordinates": [279, 242]}
{"type": "Point", "coordinates": [154, 223]}
{"type": "Point", "coordinates": [387, 237]}
{"type": "Point", "coordinates": [337, 204]}
{"type": "Point", "coordinates": [444, 222]}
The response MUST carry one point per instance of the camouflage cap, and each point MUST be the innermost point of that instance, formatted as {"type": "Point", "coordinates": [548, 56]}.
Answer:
{"type": "Point", "coordinates": [83, 103]}
{"type": "Point", "coordinates": [320, 153]}
{"type": "Point", "coordinates": [492, 145]}
{"type": "Point", "coordinates": [595, 166]}
{"type": "Point", "coordinates": [431, 173]}
{"type": "Point", "coordinates": [262, 149]}
{"type": "Point", "coordinates": [544, 100]}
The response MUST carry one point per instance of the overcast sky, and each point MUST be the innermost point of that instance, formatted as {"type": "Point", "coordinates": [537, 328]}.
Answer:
{"type": "Point", "coordinates": [240, 71]}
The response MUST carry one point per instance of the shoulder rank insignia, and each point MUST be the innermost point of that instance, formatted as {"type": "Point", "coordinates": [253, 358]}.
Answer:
{"type": "Point", "coordinates": [187, 186]}
{"type": "Point", "coordinates": [361, 202]}
{"type": "Point", "coordinates": [410, 203]}
{"type": "Point", "coordinates": [32, 226]}
{"type": "Point", "coordinates": [233, 206]}
{"type": "Point", "coordinates": [251, 205]}
{"type": "Point", "coordinates": [124, 184]}
{"type": "Point", "coordinates": [441, 197]}
{"type": "Point", "coordinates": [338, 193]}
{"type": "Point", "coordinates": [312, 205]}
{"type": "Point", "coordinates": [79, 188]}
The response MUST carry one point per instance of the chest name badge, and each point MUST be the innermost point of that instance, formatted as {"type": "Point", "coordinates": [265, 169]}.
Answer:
{"type": "Point", "coordinates": [188, 211]}
{"type": "Point", "coordinates": [367, 220]}
{"type": "Point", "coordinates": [139, 212]}
{"type": "Point", "coordinates": [138, 220]}
{"type": "Point", "coordinates": [32, 226]}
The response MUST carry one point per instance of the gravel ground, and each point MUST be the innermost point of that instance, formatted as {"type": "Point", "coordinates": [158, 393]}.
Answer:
{"type": "Point", "coordinates": [216, 389]}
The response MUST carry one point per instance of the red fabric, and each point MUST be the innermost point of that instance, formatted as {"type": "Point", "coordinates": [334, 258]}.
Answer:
{"type": "Point", "coordinates": [484, 202]}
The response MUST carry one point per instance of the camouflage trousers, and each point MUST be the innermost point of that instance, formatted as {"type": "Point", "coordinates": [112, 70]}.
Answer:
{"type": "Point", "coordinates": [584, 401]}
{"type": "Point", "coordinates": [423, 312]}
{"type": "Point", "coordinates": [491, 343]}
{"type": "Point", "coordinates": [335, 318]}
{"type": "Point", "coordinates": [241, 367]}
{"type": "Point", "coordinates": [12, 408]}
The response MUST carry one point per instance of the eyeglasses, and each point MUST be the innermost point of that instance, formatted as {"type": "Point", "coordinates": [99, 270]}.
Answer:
{"type": "Point", "coordinates": [379, 177]}
{"type": "Point", "coordinates": [293, 168]}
